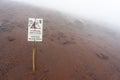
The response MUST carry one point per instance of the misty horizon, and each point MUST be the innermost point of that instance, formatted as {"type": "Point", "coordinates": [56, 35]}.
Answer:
{"type": "Point", "coordinates": [97, 10]}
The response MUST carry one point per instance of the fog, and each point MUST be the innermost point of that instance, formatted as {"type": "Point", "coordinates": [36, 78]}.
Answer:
{"type": "Point", "coordinates": [106, 11]}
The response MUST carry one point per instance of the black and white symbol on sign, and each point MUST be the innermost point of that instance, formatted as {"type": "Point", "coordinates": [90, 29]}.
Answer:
{"type": "Point", "coordinates": [35, 29]}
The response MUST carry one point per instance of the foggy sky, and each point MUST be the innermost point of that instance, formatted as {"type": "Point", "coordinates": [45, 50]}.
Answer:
{"type": "Point", "coordinates": [100, 10]}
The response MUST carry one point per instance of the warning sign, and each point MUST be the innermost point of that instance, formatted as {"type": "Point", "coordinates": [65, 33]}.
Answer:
{"type": "Point", "coordinates": [35, 29]}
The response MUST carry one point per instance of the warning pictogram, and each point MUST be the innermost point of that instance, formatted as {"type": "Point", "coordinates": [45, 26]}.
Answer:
{"type": "Point", "coordinates": [35, 29]}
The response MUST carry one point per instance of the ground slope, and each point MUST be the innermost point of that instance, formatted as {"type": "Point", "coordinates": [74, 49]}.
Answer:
{"type": "Point", "coordinates": [72, 49]}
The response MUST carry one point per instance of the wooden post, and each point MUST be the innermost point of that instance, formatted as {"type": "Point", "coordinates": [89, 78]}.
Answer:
{"type": "Point", "coordinates": [34, 56]}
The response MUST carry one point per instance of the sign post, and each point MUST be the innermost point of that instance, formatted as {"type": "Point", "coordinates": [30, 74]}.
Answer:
{"type": "Point", "coordinates": [35, 32]}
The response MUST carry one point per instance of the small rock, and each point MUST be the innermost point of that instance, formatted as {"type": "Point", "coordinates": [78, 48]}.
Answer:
{"type": "Point", "coordinates": [10, 38]}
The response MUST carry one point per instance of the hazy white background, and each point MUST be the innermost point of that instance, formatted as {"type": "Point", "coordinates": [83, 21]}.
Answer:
{"type": "Point", "coordinates": [107, 11]}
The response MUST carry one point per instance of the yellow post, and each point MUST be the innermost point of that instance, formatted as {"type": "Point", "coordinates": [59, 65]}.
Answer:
{"type": "Point", "coordinates": [34, 57]}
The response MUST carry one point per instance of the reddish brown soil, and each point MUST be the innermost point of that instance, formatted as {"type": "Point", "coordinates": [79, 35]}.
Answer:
{"type": "Point", "coordinates": [71, 49]}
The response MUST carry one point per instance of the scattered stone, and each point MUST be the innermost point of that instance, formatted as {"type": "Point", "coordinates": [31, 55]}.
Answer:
{"type": "Point", "coordinates": [60, 35]}
{"type": "Point", "coordinates": [102, 56]}
{"type": "Point", "coordinates": [10, 38]}
{"type": "Point", "coordinates": [68, 42]}
{"type": "Point", "coordinates": [6, 26]}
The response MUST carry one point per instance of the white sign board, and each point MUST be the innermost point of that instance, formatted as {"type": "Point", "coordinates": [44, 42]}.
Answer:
{"type": "Point", "coordinates": [35, 29]}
